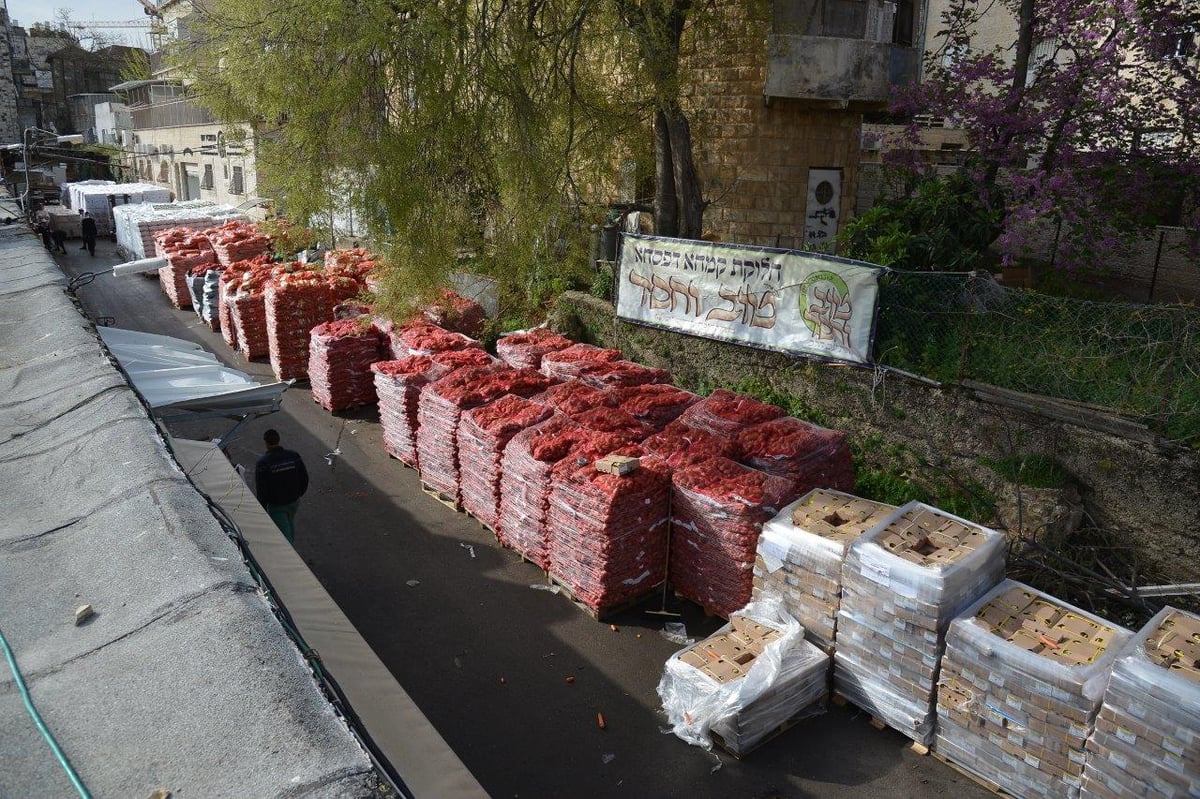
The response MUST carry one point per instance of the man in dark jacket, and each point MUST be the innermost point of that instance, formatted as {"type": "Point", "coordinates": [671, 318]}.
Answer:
{"type": "Point", "coordinates": [88, 228]}
{"type": "Point", "coordinates": [280, 480]}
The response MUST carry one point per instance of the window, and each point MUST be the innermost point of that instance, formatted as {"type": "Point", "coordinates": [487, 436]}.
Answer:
{"type": "Point", "coordinates": [235, 183]}
{"type": "Point", "coordinates": [207, 181]}
{"type": "Point", "coordinates": [1176, 46]}
{"type": "Point", "coordinates": [1043, 53]}
{"type": "Point", "coordinates": [162, 173]}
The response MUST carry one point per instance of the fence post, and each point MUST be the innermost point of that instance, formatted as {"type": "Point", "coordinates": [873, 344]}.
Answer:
{"type": "Point", "coordinates": [968, 327]}
{"type": "Point", "coordinates": [1169, 375]}
{"type": "Point", "coordinates": [1162, 234]}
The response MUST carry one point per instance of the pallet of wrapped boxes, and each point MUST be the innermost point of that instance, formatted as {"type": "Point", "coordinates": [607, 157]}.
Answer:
{"type": "Point", "coordinates": [801, 552]}
{"type": "Point", "coordinates": [1147, 736]}
{"type": "Point", "coordinates": [745, 683]}
{"type": "Point", "coordinates": [1020, 685]}
{"type": "Point", "coordinates": [903, 582]}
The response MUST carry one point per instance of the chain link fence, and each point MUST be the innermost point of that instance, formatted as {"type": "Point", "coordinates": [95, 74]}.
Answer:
{"type": "Point", "coordinates": [1138, 361]}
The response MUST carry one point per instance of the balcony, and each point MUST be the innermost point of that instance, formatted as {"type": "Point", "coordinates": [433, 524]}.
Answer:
{"type": "Point", "coordinates": [171, 114]}
{"type": "Point", "coordinates": [841, 51]}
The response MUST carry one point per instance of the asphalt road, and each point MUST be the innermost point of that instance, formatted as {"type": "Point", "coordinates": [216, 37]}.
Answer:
{"type": "Point", "coordinates": [484, 655]}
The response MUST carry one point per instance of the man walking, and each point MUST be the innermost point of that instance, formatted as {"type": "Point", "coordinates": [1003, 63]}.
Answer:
{"type": "Point", "coordinates": [280, 480]}
{"type": "Point", "coordinates": [88, 228]}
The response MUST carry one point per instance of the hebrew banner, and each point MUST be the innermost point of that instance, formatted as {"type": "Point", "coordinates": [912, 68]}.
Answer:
{"type": "Point", "coordinates": [785, 300]}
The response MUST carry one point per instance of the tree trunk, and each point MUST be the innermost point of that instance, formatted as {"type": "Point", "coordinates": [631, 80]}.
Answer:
{"type": "Point", "coordinates": [688, 199]}
{"type": "Point", "coordinates": [1016, 91]}
{"type": "Point", "coordinates": [666, 204]}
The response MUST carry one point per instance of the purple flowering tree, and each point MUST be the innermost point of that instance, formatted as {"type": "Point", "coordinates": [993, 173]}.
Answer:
{"type": "Point", "coordinates": [1087, 121]}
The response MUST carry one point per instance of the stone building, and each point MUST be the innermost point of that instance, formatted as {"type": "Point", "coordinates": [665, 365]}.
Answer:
{"type": "Point", "coordinates": [776, 96]}
{"type": "Point", "coordinates": [10, 124]}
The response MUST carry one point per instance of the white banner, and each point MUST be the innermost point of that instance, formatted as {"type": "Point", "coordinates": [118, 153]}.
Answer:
{"type": "Point", "coordinates": [782, 300]}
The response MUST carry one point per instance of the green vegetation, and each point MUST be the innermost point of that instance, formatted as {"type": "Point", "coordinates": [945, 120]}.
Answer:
{"type": "Point", "coordinates": [945, 225]}
{"type": "Point", "coordinates": [1035, 470]}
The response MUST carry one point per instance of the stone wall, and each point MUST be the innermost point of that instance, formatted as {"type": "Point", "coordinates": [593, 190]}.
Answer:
{"type": "Point", "coordinates": [10, 126]}
{"type": "Point", "coordinates": [1147, 495]}
{"type": "Point", "coordinates": [754, 159]}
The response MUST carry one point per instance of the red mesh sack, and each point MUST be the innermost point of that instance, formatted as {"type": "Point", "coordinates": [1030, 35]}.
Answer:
{"type": "Point", "coordinates": [655, 404]}
{"type": "Point", "coordinates": [573, 397]}
{"type": "Point", "coordinates": [806, 455]}
{"type": "Point", "coordinates": [565, 364]}
{"type": "Point", "coordinates": [339, 364]}
{"type": "Point", "coordinates": [525, 349]}
{"type": "Point", "coordinates": [727, 412]}
{"type": "Point", "coordinates": [680, 445]}
{"type": "Point", "coordinates": [718, 510]}
{"type": "Point", "coordinates": [398, 386]}
{"type": "Point", "coordinates": [483, 434]}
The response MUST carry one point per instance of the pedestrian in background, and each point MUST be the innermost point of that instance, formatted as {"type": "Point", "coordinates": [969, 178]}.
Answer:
{"type": "Point", "coordinates": [60, 240]}
{"type": "Point", "coordinates": [88, 228]}
{"type": "Point", "coordinates": [280, 479]}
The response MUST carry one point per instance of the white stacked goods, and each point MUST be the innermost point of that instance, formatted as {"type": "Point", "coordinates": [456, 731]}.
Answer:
{"type": "Point", "coordinates": [94, 199]}
{"type": "Point", "coordinates": [64, 219]}
{"type": "Point", "coordinates": [295, 304]}
{"type": "Point", "coordinates": [210, 299]}
{"type": "Point", "coordinates": [801, 553]}
{"type": "Point", "coordinates": [1146, 741]}
{"type": "Point", "coordinates": [718, 510]}
{"type": "Point", "coordinates": [902, 584]}
{"type": "Point", "coordinates": [135, 225]}
{"type": "Point", "coordinates": [806, 455]}
{"type": "Point", "coordinates": [525, 484]}
{"type": "Point", "coordinates": [483, 433]}
{"type": "Point", "coordinates": [566, 364]}
{"type": "Point", "coordinates": [1020, 685]}
{"type": "Point", "coordinates": [745, 681]}
{"type": "Point", "coordinates": [339, 363]}
{"type": "Point", "coordinates": [64, 191]}
{"type": "Point", "coordinates": [443, 402]}
{"type": "Point", "coordinates": [606, 532]}
{"type": "Point", "coordinates": [525, 348]}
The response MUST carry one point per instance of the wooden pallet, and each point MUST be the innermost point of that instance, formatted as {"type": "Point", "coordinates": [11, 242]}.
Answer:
{"type": "Point", "coordinates": [449, 501]}
{"type": "Point", "coordinates": [916, 747]}
{"type": "Point", "coordinates": [606, 612]}
{"type": "Point", "coordinates": [982, 782]}
{"type": "Point", "coordinates": [772, 735]}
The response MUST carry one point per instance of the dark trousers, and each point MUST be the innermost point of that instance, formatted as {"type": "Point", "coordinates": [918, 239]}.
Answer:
{"type": "Point", "coordinates": [284, 517]}
{"type": "Point", "coordinates": [90, 243]}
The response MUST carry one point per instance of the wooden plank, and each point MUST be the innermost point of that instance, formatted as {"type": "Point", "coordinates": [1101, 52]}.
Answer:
{"type": "Point", "coordinates": [449, 501]}
{"type": "Point", "coordinates": [1091, 417]}
{"type": "Point", "coordinates": [982, 782]}
{"type": "Point", "coordinates": [605, 612]}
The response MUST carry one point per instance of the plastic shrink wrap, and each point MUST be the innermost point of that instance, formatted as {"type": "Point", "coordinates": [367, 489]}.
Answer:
{"type": "Point", "coordinates": [801, 552]}
{"type": "Point", "coordinates": [745, 680]}
{"type": "Point", "coordinates": [902, 583]}
{"type": "Point", "coordinates": [1020, 684]}
{"type": "Point", "coordinates": [1146, 741]}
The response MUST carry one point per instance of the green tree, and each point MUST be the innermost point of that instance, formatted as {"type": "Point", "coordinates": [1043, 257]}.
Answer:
{"type": "Point", "coordinates": [460, 129]}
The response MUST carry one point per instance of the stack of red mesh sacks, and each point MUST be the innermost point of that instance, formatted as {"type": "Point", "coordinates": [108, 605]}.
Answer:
{"type": "Point", "coordinates": [185, 251]}
{"type": "Point", "coordinates": [620, 374]}
{"type": "Point", "coordinates": [455, 312]}
{"type": "Point", "coordinates": [608, 533]}
{"type": "Point", "coordinates": [566, 364]}
{"type": "Point", "coordinates": [441, 405]}
{"type": "Point", "coordinates": [805, 455]}
{"type": "Point", "coordinates": [347, 272]}
{"type": "Point", "coordinates": [425, 338]}
{"type": "Point", "coordinates": [719, 506]}
{"type": "Point", "coordinates": [525, 468]}
{"type": "Point", "coordinates": [525, 349]}
{"type": "Point", "coordinates": [297, 300]}
{"type": "Point", "coordinates": [339, 363]}
{"type": "Point", "coordinates": [574, 398]}
{"type": "Point", "coordinates": [483, 433]}
{"type": "Point", "coordinates": [231, 279]}
{"type": "Point", "coordinates": [245, 296]}
{"type": "Point", "coordinates": [655, 404]}
{"type": "Point", "coordinates": [398, 384]}
{"type": "Point", "coordinates": [237, 241]}
{"type": "Point", "coordinates": [681, 446]}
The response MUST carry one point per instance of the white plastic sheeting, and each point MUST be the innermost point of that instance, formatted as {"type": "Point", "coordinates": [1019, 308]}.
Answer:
{"type": "Point", "coordinates": [172, 373]}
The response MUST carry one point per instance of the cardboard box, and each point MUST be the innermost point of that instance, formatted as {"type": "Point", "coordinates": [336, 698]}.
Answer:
{"type": "Point", "coordinates": [617, 464]}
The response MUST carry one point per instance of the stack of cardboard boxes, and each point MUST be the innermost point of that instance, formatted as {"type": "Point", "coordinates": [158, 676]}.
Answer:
{"type": "Point", "coordinates": [800, 556]}
{"type": "Point", "coordinates": [1147, 736]}
{"type": "Point", "coordinates": [1021, 682]}
{"type": "Point", "coordinates": [744, 683]}
{"type": "Point", "coordinates": [902, 584]}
